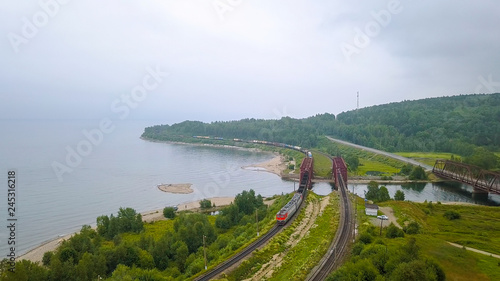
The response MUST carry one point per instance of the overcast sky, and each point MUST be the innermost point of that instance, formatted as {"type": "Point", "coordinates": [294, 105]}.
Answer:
{"type": "Point", "coordinates": [231, 59]}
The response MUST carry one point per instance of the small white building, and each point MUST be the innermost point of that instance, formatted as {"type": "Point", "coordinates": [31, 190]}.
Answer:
{"type": "Point", "coordinates": [371, 209]}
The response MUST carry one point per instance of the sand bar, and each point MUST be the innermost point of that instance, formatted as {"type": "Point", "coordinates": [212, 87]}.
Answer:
{"type": "Point", "coordinates": [178, 188]}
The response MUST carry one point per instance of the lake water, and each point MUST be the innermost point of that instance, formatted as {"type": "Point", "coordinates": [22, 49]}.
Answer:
{"type": "Point", "coordinates": [119, 171]}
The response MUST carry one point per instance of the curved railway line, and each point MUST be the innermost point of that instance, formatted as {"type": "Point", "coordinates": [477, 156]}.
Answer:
{"type": "Point", "coordinates": [339, 247]}
{"type": "Point", "coordinates": [248, 250]}
{"type": "Point", "coordinates": [234, 259]}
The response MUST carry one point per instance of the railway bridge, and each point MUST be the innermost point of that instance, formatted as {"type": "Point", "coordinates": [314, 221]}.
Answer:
{"type": "Point", "coordinates": [482, 181]}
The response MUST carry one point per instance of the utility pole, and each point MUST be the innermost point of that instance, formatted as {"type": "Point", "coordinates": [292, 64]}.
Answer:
{"type": "Point", "coordinates": [204, 252]}
{"type": "Point", "coordinates": [257, 221]}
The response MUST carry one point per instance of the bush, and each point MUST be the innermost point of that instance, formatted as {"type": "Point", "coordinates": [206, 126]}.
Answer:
{"type": "Point", "coordinates": [418, 173]}
{"type": "Point", "coordinates": [399, 196]}
{"type": "Point", "coordinates": [366, 238]}
{"type": "Point", "coordinates": [394, 231]}
{"type": "Point", "coordinates": [451, 215]}
{"type": "Point", "coordinates": [47, 257]}
{"type": "Point", "coordinates": [169, 212]}
{"type": "Point", "coordinates": [412, 228]}
{"type": "Point", "coordinates": [205, 204]}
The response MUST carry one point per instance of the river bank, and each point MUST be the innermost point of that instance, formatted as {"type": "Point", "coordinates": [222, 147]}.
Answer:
{"type": "Point", "coordinates": [36, 254]}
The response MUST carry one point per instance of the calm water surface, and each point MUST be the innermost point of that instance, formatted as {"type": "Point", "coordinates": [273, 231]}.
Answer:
{"type": "Point", "coordinates": [120, 171]}
{"type": "Point", "coordinates": [419, 192]}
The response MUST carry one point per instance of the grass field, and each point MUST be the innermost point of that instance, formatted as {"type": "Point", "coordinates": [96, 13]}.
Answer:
{"type": "Point", "coordinates": [373, 165]}
{"type": "Point", "coordinates": [302, 258]}
{"type": "Point", "coordinates": [428, 158]}
{"type": "Point", "coordinates": [371, 162]}
{"type": "Point", "coordinates": [322, 165]}
{"type": "Point", "coordinates": [477, 227]}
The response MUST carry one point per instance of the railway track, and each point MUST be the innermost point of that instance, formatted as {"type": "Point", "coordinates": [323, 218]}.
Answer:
{"type": "Point", "coordinates": [339, 247]}
{"type": "Point", "coordinates": [234, 259]}
{"type": "Point", "coordinates": [248, 250]}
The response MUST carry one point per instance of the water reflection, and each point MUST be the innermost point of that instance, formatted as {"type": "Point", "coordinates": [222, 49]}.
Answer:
{"type": "Point", "coordinates": [419, 192]}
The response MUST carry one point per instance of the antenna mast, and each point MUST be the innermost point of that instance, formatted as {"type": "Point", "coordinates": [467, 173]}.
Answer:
{"type": "Point", "coordinates": [357, 105]}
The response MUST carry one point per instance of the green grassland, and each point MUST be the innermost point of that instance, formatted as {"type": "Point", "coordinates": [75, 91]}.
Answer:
{"type": "Point", "coordinates": [428, 158]}
{"type": "Point", "coordinates": [302, 258]}
{"type": "Point", "coordinates": [477, 227]}
{"type": "Point", "coordinates": [367, 166]}
{"type": "Point", "coordinates": [322, 165]}
{"type": "Point", "coordinates": [372, 162]}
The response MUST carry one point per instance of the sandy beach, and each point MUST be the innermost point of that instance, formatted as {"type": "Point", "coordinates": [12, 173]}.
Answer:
{"type": "Point", "coordinates": [178, 188]}
{"type": "Point", "coordinates": [36, 254]}
{"type": "Point", "coordinates": [276, 165]}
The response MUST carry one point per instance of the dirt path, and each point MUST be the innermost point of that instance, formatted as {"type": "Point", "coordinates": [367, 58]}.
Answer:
{"type": "Point", "coordinates": [390, 214]}
{"type": "Point", "coordinates": [312, 211]}
{"type": "Point", "coordinates": [475, 250]}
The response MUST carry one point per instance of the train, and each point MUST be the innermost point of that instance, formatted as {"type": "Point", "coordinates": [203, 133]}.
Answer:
{"type": "Point", "coordinates": [289, 209]}
{"type": "Point", "coordinates": [306, 172]}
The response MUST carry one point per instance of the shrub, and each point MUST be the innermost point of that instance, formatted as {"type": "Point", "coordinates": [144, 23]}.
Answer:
{"type": "Point", "coordinates": [365, 238]}
{"type": "Point", "coordinates": [451, 215]}
{"type": "Point", "coordinates": [205, 204]}
{"type": "Point", "coordinates": [169, 212]}
{"type": "Point", "coordinates": [412, 228]}
{"type": "Point", "coordinates": [394, 231]}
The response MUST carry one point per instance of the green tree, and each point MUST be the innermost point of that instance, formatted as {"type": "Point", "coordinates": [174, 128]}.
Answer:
{"type": "Point", "coordinates": [399, 196]}
{"type": "Point", "coordinates": [377, 194]}
{"type": "Point", "coordinates": [406, 170]}
{"type": "Point", "coordinates": [483, 158]}
{"type": "Point", "coordinates": [383, 194]}
{"type": "Point", "coordinates": [205, 204]}
{"type": "Point", "coordinates": [372, 193]}
{"type": "Point", "coordinates": [412, 271]}
{"type": "Point", "coordinates": [47, 257]}
{"type": "Point", "coordinates": [169, 212]}
{"type": "Point", "coordinates": [352, 162]}
{"type": "Point", "coordinates": [247, 202]}
{"type": "Point", "coordinates": [418, 173]}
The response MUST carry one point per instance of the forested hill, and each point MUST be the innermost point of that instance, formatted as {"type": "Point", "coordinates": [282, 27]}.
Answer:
{"type": "Point", "coordinates": [454, 124]}
{"type": "Point", "coordinates": [457, 124]}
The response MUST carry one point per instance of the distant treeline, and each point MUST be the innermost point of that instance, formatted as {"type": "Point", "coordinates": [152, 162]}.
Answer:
{"type": "Point", "coordinates": [457, 124]}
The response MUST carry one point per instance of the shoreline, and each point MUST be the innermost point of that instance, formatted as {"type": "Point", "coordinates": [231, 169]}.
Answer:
{"type": "Point", "coordinates": [272, 166]}
{"type": "Point", "coordinates": [253, 149]}
{"type": "Point", "coordinates": [36, 254]}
